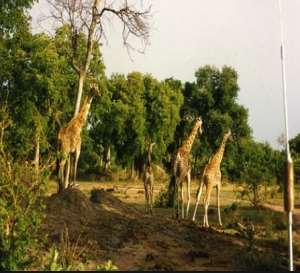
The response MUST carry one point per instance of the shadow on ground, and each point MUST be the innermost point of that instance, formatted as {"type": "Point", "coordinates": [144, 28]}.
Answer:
{"type": "Point", "coordinates": [111, 229]}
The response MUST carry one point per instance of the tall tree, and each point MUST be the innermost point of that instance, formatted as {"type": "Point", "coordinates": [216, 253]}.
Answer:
{"type": "Point", "coordinates": [92, 18]}
{"type": "Point", "coordinates": [213, 96]}
{"type": "Point", "coordinates": [138, 110]}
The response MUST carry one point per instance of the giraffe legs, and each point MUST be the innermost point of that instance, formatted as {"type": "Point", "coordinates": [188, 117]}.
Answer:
{"type": "Point", "coordinates": [151, 197]}
{"type": "Point", "coordinates": [218, 202]}
{"type": "Point", "coordinates": [77, 154]}
{"type": "Point", "coordinates": [182, 201]}
{"type": "Point", "coordinates": [178, 200]}
{"type": "Point", "coordinates": [188, 191]}
{"type": "Point", "coordinates": [66, 182]}
{"type": "Point", "coordinates": [206, 204]}
{"type": "Point", "coordinates": [198, 199]}
{"type": "Point", "coordinates": [146, 197]}
{"type": "Point", "coordinates": [61, 175]}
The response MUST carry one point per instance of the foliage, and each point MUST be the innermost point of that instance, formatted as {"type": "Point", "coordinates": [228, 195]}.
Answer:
{"type": "Point", "coordinates": [13, 17]}
{"type": "Point", "coordinates": [55, 263]}
{"type": "Point", "coordinates": [21, 211]}
{"type": "Point", "coordinates": [295, 150]}
{"type": "Point", "coordinates": [137, 109]}
{"type": "Point", "coordinates": [256, 260]}
{"type": "Point", "coordinates": [64, 258]}
{"type": "Point", "coordinates": [108, 266]}
{"type": "Point", "coordinates": [257, 167]}
{"type": "Point", "coordinates": [161, 201]}
{"type": "Point", "coordinates": [213, 96]}
{"type": "Point", "coordinates": [37, 89]}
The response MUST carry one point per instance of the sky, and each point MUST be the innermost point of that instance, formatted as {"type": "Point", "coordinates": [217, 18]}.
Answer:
{"type": "Point", "coordinates": [244, 34]}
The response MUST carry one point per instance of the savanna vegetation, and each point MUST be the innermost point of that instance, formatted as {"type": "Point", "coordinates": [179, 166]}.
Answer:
{"type": "Point", "coordinates": [43, 81]}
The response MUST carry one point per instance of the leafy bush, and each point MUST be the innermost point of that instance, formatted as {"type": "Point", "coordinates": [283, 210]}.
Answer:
{"type": "Point", "coordinates": [161, 201]}
{"type": "Point", "coordinates": [108, 266]}
{"type": "Point", "coordinates": [257, 171]}
{"type": "Point", "coordinates": [65, 256]}
{"type": "Point", "coordinates": [232, 208]}
{"type": "Point", "coordinates": [56, 263]}
{"type": "Point", "coordinates": [96, 195]}
{"type": "Point", "coordinates": [21, 211]}
{"type": "Point", "coordinates": [261, 261]}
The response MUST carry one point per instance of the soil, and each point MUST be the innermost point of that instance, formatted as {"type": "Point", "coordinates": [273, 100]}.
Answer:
{"type": "Point", "coordinates": [111, 229]}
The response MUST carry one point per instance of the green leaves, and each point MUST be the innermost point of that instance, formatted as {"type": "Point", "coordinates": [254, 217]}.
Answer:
{"type": "Point", "coordinates": [137, 109]}
{"type": "Point", "coordinates": [21, 212]}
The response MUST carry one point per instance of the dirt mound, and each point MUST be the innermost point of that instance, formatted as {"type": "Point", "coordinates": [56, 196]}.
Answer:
{"type": "Point", "coordinates": [105, 225]}
{"type": "Point", "coordinates": [111, 229]}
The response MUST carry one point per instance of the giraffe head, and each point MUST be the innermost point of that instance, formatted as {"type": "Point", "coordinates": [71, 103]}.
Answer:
{"type": "Point", "coordinates": [199, 124]}
{"type": "Point", "coordinates": [228, 135]}
{"type": "Point", "coordinates": [94, 91]}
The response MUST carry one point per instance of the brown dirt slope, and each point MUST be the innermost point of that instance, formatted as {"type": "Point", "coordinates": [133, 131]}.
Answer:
{"type": "Point", "coordinates": [111, 229]}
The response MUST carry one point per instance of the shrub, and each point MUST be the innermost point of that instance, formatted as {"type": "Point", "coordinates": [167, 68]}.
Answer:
{"type": "Point", "coordinates": [232, 208]}
{"type": "Point", "coordinates": [161, 201]}
{"type": "Point", "coordinates": [21, 211]}
{"type": "Point", "coordinates": [64, 258]}
{"type": "Point", "coordinates": [261, 261]}
{"type": "Point", "coordinates": [96, 195]}
{"type": "Point", "coordinates": [108, 266]}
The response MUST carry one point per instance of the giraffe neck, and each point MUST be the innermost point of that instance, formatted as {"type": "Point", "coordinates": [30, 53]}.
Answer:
{"type": "Point", "coordinates": [188, 143]}
{"type": "Point", "coordinates": [84, 111]}
{"type": "Point", "coordinates": [149, 155]}
{"type": "Point", "coordinates": [217, 159]}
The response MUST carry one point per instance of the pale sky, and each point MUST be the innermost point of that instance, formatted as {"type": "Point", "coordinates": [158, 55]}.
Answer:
{"type": "Point", "coordinates": [244, 34]}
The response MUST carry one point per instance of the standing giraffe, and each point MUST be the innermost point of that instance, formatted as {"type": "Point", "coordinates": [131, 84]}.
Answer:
{"type": "Point", "coordinates": [149, 181]}
{"type": "Point", "coordinates": [182, 170]}
{"type": "Point", "coordinates": [70, 140]}
{"type": "Point", "coordinates": [212, 178]}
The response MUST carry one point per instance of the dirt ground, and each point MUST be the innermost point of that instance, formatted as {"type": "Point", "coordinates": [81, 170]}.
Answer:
{"type": "Point", "coordinates": [116, 228]}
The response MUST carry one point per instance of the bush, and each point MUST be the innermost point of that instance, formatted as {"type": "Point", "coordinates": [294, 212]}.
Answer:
{"type": "Point", "coordinates": [108, 266]}
{"type": "Point", "coordinates": [161, 201]}
{"type": "Point", "coordinates": [64, 258]}
{"type": "Point", "coordinates": [21, 211]}
{"type": "Point", "coordinates": [232, 208]}
{"type": "Point", "coordinates": [96, 195]}
{"type": "Point", "coordinates": [261, 261]}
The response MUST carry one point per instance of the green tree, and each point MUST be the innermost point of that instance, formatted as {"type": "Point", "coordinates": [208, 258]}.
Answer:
{"type": "Point", "coordinates": [213, 96]}
{"type": "Point", "coordinates": [258, 170]}
{"type": "Point", "coordinates": [295, 150]}
{"type": "Point", "coordinates": [138, 109]}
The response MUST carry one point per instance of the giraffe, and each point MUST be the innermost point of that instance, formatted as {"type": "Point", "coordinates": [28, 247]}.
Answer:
{"type": "Point", "coordinates": [182, 171]}
{"type": "Point", "coordinates": [212, 178]}
{"type": "Point", "coordinates": [149, 182]}
{"type": "Point", "coordinates": [70, 140]}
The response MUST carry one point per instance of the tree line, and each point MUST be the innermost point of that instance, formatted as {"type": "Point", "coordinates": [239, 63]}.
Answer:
{"type": "Point", "coordinates": [38, 92]}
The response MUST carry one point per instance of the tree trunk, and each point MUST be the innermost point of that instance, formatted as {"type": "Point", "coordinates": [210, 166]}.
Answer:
{"type": "Point", "coordinates": [139, 166]}
{"type": "Point", "coordinates": [107, 159]}
{"type": "Point", "coordinates": [88, 57]}
{"type": "Point", "coordinates": [132, 175]}
{"type": "Point", "coordinates": [79, 92]}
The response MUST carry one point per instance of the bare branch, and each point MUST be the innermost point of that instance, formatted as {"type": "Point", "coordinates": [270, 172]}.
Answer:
{"type": "Point", "coordinates": [91, 16]}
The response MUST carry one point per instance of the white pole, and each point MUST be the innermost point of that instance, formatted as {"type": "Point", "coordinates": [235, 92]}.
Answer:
{"type": "Point", "coordinates": [288, 154]}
